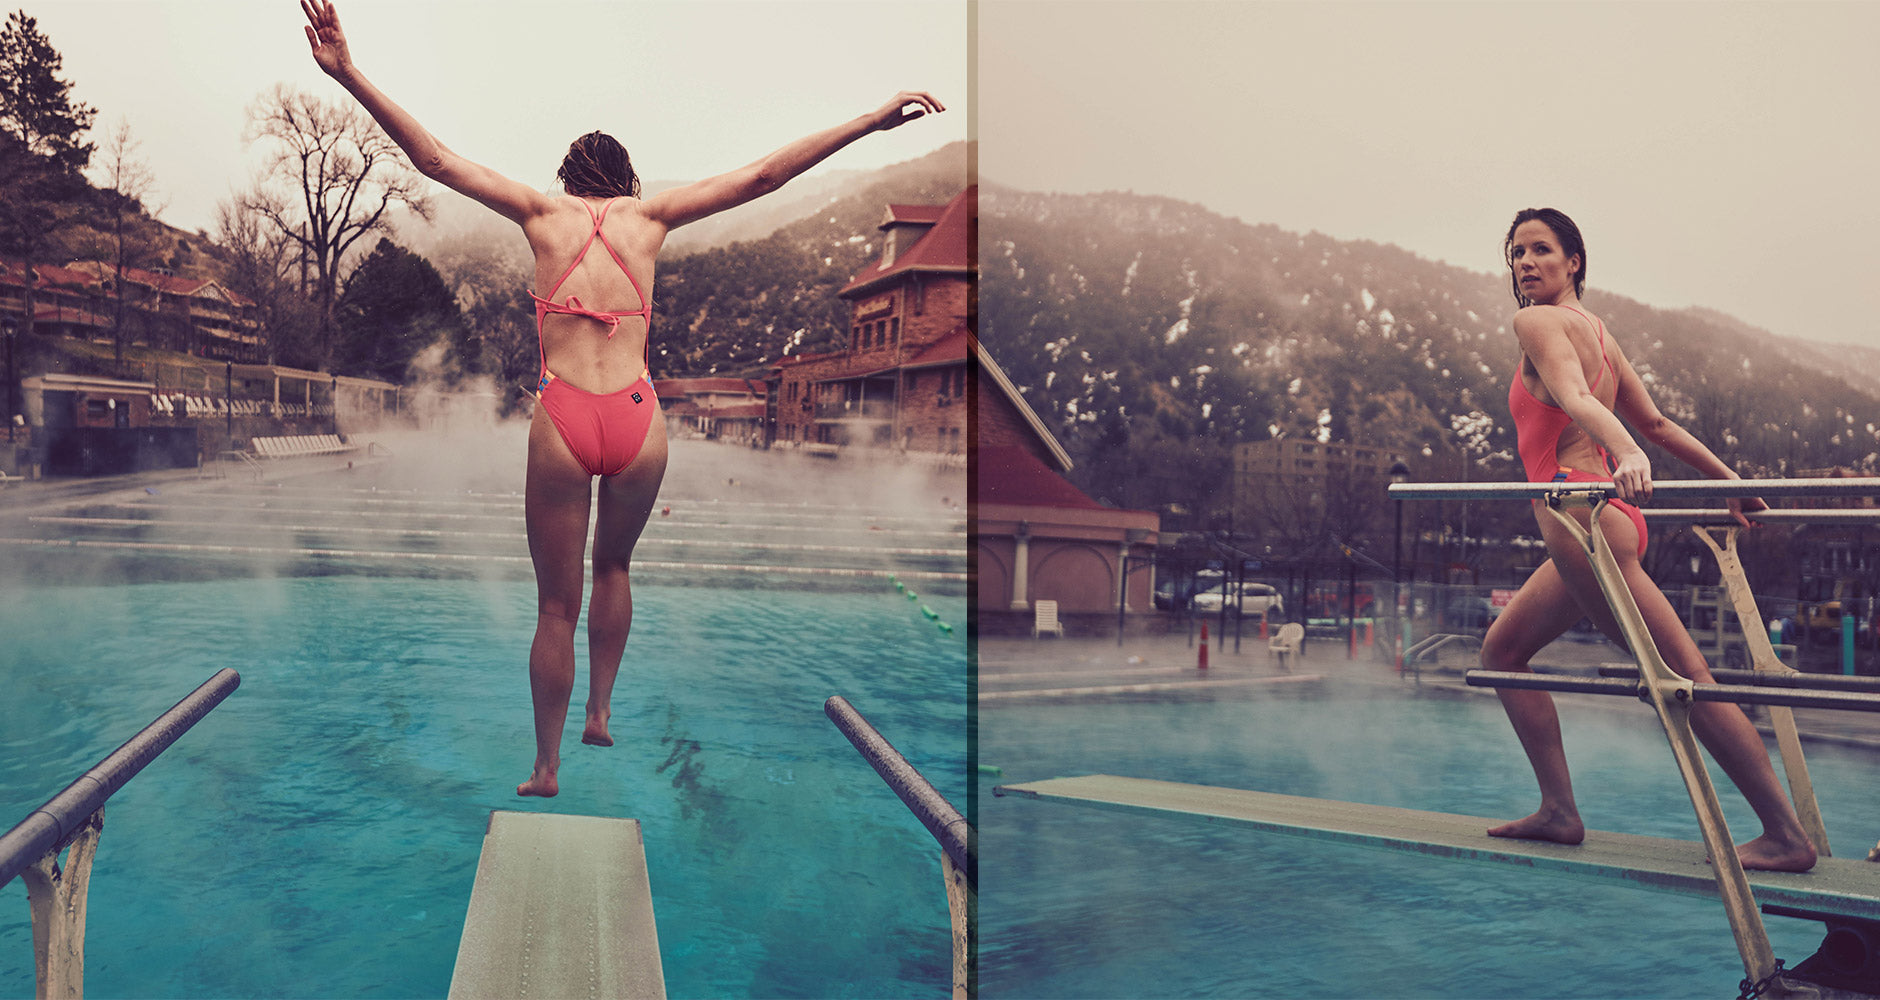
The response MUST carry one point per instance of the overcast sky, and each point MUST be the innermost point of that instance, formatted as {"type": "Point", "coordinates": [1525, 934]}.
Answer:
{"type": "Point", "coordinates": [692, 88]}
{"type": "Point", "coordinates": [1713, 154]}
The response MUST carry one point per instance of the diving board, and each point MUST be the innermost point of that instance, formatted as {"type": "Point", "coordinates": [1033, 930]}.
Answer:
{"type": "Point", "coordinates": [561, 908]}
{"type": "Point", "coordinates": [1838, 887]}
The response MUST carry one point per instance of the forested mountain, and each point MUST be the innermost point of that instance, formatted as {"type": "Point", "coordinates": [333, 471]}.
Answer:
{"type": "Point", "coordinates": [1151, 334]}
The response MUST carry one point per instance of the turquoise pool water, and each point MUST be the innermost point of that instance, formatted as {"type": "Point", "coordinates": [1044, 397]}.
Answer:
{"type": "Point", "coordinates": [317, 835]}
{"type": "Point", "coordinates": [1079, 902]}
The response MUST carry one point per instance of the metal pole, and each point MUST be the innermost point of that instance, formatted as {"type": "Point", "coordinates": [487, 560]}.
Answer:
{"type": "Point", "coordinates": [228, 402]}
{"type": "Point", "coordinates": [1396, 585]}
{"type": "Point", "coordinates": [1351, 608]}
{"type": "Point", "coordinates": [1122, 596]}
{"type": "Point", "coordinates": [926, 803]}
{"type": "Point", "coordinates": [52, 824]}
{"type": "Point", "coordinates": [13, 383]}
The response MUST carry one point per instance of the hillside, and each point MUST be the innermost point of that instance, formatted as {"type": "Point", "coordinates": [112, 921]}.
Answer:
{"type": "Point", "coordinates": [1135, 324]}
{"type": "Point", "coordinates": [720, 308]}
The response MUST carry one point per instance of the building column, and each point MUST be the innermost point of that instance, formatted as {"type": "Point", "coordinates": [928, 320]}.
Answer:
{"type": "Point", "coordinates": [1122, 574]}
{"type": "Point", "coordinates": [1020, 561]}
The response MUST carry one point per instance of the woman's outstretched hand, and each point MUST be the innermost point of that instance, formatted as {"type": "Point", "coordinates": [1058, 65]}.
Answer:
{"type": "Point", "coordinates": [326, 38]}
{"type": "Point", "coordinates": [889, 115]}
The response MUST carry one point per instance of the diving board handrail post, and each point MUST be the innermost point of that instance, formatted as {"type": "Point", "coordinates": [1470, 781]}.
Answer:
{"type": "Point", "coordinates": [942, 820]}
{"type": "Point", "coordinates": [56, 894]}
{"type": "Point", "coordinates": [1763, 660]}
{"type": "Point", "coordinates": [1671, 695]}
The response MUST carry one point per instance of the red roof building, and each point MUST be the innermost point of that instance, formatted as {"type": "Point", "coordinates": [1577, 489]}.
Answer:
{"type": "Point", "coordinates": [194, 315]}
{"type": "Point", "coordinates": [723, 409]}
{"type": "Point", "coordinates": [900, 382]}
{"type": "Point", "coordinates": [1038, 537]}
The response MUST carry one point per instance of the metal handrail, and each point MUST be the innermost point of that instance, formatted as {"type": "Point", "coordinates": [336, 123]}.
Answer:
{"type": "Point", "coordinates": [50, 827]}
{"type": "Point", "coordinates": [1671, 695]}
{"type": "Point", "coordinates": [1719, 488]}
{"type": "Point", "coordinates": [935, 813]}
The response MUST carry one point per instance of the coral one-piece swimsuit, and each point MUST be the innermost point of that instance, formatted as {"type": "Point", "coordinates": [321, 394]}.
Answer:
{"type": "Point", "coordinates": [1537, 429]}
{"type": "Point", "coordinates": [605, 431]}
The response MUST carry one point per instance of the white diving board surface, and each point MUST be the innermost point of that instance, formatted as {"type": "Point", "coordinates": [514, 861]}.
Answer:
{"type": "Point", "coordinates": [1840, 887]}
{"type": "Point", "coordinates": [561, 908]}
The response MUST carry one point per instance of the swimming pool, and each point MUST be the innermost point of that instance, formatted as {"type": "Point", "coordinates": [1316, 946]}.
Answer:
{"type": "Point", "coordinates": [1077, 902]}
{"type": "Point", "coordinates": [317, 835]}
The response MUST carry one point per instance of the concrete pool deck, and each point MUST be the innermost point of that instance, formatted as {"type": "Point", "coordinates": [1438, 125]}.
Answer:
{"type": "Point", "coordinates": [1164, 666]}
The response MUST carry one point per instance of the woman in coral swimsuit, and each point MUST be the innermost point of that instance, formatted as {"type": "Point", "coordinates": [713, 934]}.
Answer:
{"type": "Point", "coordinates": [597, 414]}
{"type": "Point", "coordinates": [1572, 380]}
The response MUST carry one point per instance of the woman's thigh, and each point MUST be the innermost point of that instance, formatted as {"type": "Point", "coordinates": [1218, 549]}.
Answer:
{"type": "Point", "coordinates": [627, 499]}
{"type": "Point", "coordinates": [556, 504]}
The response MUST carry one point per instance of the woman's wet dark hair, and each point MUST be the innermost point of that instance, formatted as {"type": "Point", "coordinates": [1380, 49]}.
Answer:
{"type": "Point", "coordinates": [1565, 232]}
{"type": "Point", "coordinates": [597, 167]}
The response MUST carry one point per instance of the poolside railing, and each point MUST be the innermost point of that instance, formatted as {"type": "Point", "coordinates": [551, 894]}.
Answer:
{"type": "Point", "coordinates": [958, 863]}
{"type": "Point", "coordinates": [1672, 695]}
{"type": "Point", "coordinates": [75, 818]}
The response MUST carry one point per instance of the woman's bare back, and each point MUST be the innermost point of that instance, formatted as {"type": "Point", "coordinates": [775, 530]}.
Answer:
{"type": "Point", "coordinates": [577, 348]}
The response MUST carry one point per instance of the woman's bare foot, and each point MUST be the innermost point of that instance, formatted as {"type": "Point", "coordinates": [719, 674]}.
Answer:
{"type": "Point", "coordinates": [595, 733]}
{"type": "Point", "coordinates": [541, 783]}
{"type": "Point", "coordinates": [1769, 854]}
{"type": "Point", "coordinates": [1546, 824]}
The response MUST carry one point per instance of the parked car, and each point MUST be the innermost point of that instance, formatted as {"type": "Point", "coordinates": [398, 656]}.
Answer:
{"type": "Point", "coordinates": [1254, 599]}
{"type": "Point", "coordinates": [1175, 594]}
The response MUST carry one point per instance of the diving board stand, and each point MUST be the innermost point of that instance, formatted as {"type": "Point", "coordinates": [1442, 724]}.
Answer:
{"type": "Point", "coordinates": [562, 907]}
{"type": "Point", "coordinates": [1837, 887]}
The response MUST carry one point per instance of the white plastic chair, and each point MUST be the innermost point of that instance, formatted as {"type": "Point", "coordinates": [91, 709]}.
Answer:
{"type": "Point", "coordinates": [1045, 619]}
{"type": "Point", "coordinates": [1285, 643]}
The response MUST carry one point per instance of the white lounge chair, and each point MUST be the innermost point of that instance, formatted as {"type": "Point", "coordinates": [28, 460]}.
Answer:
{"type": "Point", "coordinates": [1045, 619]}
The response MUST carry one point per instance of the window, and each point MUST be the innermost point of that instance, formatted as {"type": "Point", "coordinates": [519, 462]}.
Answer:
{"type": "Point", "coordinates": [894, 330]}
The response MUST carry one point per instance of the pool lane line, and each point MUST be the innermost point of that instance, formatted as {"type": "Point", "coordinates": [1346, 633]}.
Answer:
{"type": "Point", "coordinates": [134, 522]}
{"type": "Point", "coordinates": [793, 511]}
{"type": "Point", "coordinates": [679, 521]}
{"type": "Point", "coordinates": [1168, 687]}
{"type": "Point", "coordinates": [257, 550]}
{"type": "Point", "coordinates": [381, 496]}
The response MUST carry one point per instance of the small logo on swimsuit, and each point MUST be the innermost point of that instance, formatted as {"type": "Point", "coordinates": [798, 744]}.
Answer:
{"type": "Point", "coordinates": [636, 398]}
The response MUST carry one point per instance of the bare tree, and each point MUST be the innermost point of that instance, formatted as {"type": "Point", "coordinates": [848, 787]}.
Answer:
{"type": "Point", "coordinates": [124, 182]}
{"type": "Point", "coordinates": [329, 180]}
{"type": "Point", "coordinates": [261, 258]}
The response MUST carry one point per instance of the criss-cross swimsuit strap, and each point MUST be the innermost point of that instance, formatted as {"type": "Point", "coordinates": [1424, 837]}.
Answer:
{"type": "Point", "coordinates": [573, 306]}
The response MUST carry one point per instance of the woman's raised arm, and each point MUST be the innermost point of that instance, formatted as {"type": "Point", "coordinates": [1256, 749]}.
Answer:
{"type": "Point", "coordinates": [677, 206]}
{"type": "Point", "coordinates": [514, 201]}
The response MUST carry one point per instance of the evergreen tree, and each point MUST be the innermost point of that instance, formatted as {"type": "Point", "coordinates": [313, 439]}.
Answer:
{"type": "Point", "coordinates": [394, 306]}
{"type": "Point", "coordinates": [42, 149]}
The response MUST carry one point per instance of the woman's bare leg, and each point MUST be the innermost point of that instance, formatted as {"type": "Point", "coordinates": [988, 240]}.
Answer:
{"type": "Point", "coordinates": [626, 502]}
{"type": "Point", "coordinates": [556, 502]}
{"type": "Point", "coordinates": [1722, 727]}
{"type": "Point", "coordinates": [1542, 610]}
